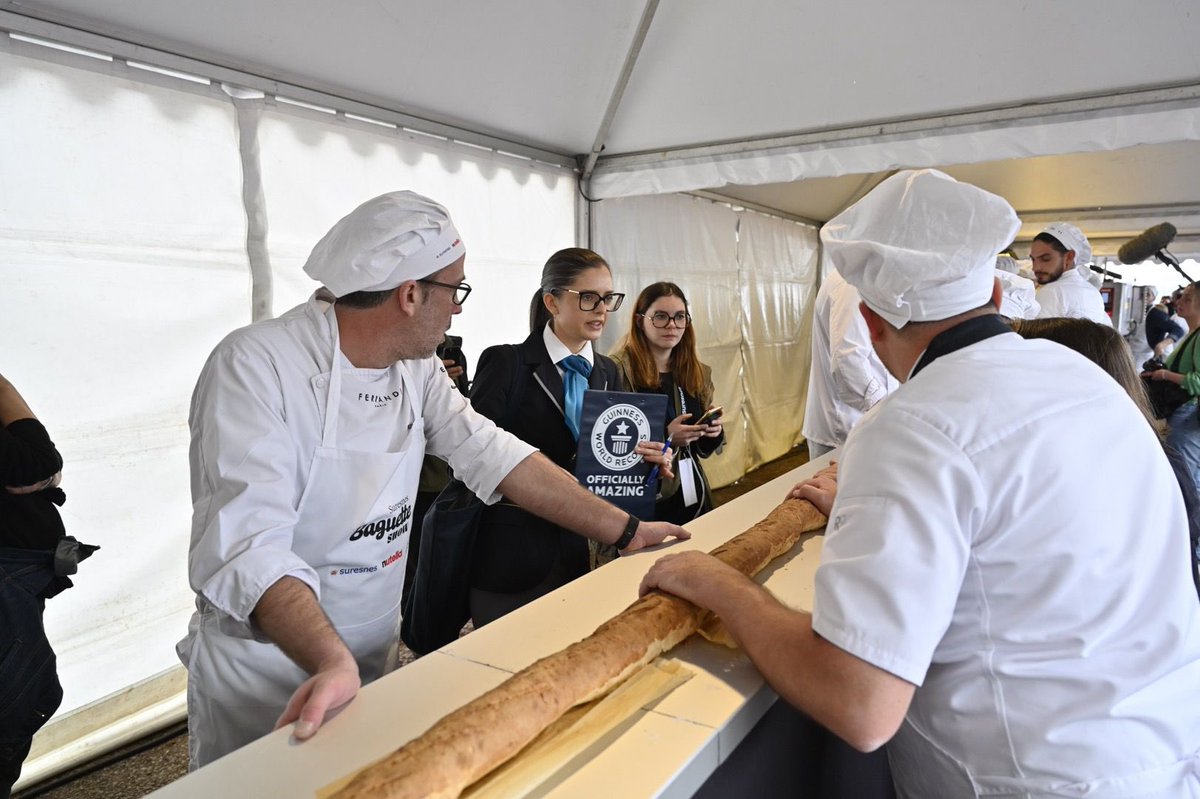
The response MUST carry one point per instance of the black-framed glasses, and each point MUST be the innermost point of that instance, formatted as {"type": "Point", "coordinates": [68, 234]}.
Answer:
{"type": "Point", "coordinates": [461, 290]}
{"type": "Point", "coordinates": [662, 318]}
{"type": "Point", "coordinates": [589, 300]}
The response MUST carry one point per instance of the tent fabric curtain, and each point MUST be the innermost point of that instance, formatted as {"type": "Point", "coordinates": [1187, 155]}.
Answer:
{"type": "Point", "coordinates": [749, 280]}
{"type": "Point", "coordinates": [778, 267]}
{"type": "Point", "coordinates": [124, 253]}
{"type": "Point", "coordinates": [1082, 132]}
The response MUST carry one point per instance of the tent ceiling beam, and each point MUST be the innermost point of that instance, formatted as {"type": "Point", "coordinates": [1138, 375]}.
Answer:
{"type": "Point", "coordinates": [614, 101]}
{"type": "Point", "coordinates": [762, 209]}
{"type": "Point", "coordinates": [1164, 212]}
{"type": "Point", "coordinates": [1159, 99]}
{"type": "Point", "coordinates": [170, 56]}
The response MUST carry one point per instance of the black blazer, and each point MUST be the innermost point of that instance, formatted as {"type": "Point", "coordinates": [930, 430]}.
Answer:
{"type": "Point", "coordinates": [514, 550]}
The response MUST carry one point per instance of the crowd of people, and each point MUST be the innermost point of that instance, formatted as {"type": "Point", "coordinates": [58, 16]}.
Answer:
{"type": "Point", "coordinates": [1003, 624]}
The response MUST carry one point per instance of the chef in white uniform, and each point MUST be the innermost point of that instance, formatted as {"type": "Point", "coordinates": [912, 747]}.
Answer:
{"type": "Point", "coordinates": [1061, 255]}
{"type": "Point", "coordinates": [1020, 293]}
{"type": "Point", "coordinates": [847, 378]}
{"type": "Point", "coordinates": [1019, 629]}
{"type": "Point", "coordinates": [308, 433]}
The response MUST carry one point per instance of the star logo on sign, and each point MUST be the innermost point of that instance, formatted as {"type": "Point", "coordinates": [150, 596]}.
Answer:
{"type": "Point", "coordinates": [622, 427]}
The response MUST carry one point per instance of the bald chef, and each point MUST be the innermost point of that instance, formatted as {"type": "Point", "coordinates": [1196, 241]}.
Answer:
{"type": "Point", "coordinates": [307, 437]}
{"type": "Point", "coordinates": [1017, 629]}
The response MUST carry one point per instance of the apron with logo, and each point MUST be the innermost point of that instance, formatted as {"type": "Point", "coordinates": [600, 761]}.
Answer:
{"type": "Point", "coordinates": [353, 525]}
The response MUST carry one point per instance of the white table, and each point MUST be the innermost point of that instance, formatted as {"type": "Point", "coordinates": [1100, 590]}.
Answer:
{"type": "Point", "coordinates": [668, 752]}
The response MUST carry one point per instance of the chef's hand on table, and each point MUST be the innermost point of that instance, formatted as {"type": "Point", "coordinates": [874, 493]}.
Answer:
{"type": "Point", "coordinates": [695, 576]}
{"type": "Point", "coordinates": [820, 489]}
{"type": "Point", "coordinates": [650, 533]}
{"type": "Point", "coordinates": [652, 452]}
{"type": "Point", "coordinates": [332, 686]}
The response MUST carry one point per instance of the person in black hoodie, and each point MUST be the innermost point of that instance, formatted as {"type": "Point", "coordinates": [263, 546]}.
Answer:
{"type": "Point", "coordinates": [30, 532]}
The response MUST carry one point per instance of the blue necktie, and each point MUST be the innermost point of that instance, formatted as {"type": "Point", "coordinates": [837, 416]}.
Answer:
{"type": "Point", "coordinates": [576, 371]}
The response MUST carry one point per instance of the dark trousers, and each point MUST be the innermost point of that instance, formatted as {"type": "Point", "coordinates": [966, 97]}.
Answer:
{"type": "Point", "coordinates": [29, 687]}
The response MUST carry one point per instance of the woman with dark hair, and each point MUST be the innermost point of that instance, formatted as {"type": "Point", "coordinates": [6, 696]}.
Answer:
{"type": "Point", "coordinates": [658, 356]}
{"type": "Point", "coordinates": [535, 391]}
{"type": "Point", "coordinates": [1105, 347]}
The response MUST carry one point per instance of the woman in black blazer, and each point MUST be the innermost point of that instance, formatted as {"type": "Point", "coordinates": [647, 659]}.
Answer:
{"type": "Point", "coordinates": [522, 387]}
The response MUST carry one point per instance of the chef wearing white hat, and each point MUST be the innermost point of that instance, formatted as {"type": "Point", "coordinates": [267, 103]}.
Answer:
{"type": "Point", "coordinates": [1009, 629]}
{"type": "Point", "coordinates": [308, 433]}
{"type": "Point", "coordinates": [1061, 257]}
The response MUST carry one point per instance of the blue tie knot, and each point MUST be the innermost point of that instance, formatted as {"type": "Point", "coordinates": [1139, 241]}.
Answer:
{"type": "Point", "coordinates": [576, 371]}
{"type": "Point", "coordinates": [577, 364]}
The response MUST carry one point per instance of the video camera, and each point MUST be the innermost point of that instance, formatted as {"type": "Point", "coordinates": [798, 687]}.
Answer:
{"type": "Point", "coordinates": [1153, 364]}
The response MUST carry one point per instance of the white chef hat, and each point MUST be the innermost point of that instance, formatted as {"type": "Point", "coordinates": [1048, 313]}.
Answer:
{"type": "Point", "coordinates": [385, 241]}
{"type": "Point", "coordinates": [1072, 238]}
{"type": "Point", "coordinates": [1019, 298]}
{"type": "Point", "coordinates": [921, 246]}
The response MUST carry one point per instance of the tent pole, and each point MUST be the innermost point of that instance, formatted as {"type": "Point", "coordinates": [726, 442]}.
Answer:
{"type": "Point", "coordinates": [614, 101]}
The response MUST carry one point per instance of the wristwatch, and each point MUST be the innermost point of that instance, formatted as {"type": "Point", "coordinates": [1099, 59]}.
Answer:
{"type": "Point", "coordinates": [631, 527]}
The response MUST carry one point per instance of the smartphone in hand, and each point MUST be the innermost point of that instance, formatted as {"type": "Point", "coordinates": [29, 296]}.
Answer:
{"type": "Point", "coordinates": [709, 416]}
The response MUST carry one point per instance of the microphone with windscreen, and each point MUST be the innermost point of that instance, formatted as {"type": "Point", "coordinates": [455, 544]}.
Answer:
{"type": "Point", "coordinates": [1152, 243]}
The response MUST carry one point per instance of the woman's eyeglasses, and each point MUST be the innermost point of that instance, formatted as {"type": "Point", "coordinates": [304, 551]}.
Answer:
{"type": "Point", "coordinates": [662, 318]}
{"type": "Point", "coordinates": [589, 300]}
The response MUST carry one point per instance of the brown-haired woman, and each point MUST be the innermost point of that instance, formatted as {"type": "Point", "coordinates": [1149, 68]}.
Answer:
{"type": "Point", "coordinates": [658, 355]}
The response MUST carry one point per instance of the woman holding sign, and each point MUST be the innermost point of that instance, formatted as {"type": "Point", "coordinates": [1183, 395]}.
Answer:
{"type": "Point", "coordinates": [658, 355]}
{"type": "Point", "coordinates": [535, 391]}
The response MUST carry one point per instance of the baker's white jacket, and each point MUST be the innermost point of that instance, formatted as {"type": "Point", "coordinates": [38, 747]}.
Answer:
{"type": "Point", "coordinates": [256, 421]}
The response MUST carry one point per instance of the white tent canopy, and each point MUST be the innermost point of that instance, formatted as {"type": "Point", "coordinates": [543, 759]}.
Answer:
{"type": "Point", "coordinates": [176, 162]}
{"type": "Point", "coordinates": [755, 101]}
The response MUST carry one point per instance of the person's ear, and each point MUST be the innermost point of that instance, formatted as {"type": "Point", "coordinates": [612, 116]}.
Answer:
{"type": "Point", "coordinates": [551, 303]}
{"type": "Point", "coordinates": [1069, 259]}
{"type": "Point", "coordinates": [875, 322]}
{"type": "Point", "coordinates": [407, 297]}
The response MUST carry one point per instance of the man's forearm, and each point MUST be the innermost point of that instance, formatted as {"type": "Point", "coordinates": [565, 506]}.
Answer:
{"type": "Point", "coordinates": [290, 615]}
{"type": "Point", "coordinates": [859, 702]}
{"type": "Point", "coordinates": [542, 488]}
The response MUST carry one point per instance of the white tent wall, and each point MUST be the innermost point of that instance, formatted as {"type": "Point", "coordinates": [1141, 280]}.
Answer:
{"type": "Point", "coordinates": [511, 214]}
{"type": "Point", "coordinates": [123, 249]}
{"type": "Point", "coordinates": [778, 286]}
{"type": "Point", "coordinates": [750, 295]}
{"type": "Point", "coordinates": [122, 260]}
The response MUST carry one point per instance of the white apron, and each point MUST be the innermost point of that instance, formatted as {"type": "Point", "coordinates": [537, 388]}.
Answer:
{"type": "Point", "coordinates": [353, 526]}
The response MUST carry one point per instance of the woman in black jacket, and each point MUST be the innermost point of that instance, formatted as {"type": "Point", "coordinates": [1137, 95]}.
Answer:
{"type": "Point", "coordinates": [534, 390]}
{"type": "Point", "coordinates": [658, 356]}
{"type": "Point", "coordinates": [30, 530]}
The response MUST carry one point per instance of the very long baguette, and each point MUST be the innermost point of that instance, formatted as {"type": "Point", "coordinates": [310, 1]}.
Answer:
{"type": "Point", "coordinates": [479, 736]}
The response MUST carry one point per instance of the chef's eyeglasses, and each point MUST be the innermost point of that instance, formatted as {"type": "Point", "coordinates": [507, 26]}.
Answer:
{"type": "Point", "coordinates": [662, 318]}
{"type": "Point", "coordinates": [590, 300]}
{"type": "Point", "coordinates": [461, 290]}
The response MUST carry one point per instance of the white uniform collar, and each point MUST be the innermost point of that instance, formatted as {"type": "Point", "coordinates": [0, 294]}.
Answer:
{"type": "Point", "coordinates": [557, 350]}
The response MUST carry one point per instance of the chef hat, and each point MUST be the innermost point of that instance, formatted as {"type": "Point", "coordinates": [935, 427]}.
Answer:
{"type": "Point", "coordinates": [1019, 296]}
{"type": "Point", "coordinates": [921, 246]}
{"type": "Point", "coordinates": [1072, 238]}
{"type": "Point", "coordinates": [1007, 263]}
{"type": "Point", "coordinates": [395, 237]}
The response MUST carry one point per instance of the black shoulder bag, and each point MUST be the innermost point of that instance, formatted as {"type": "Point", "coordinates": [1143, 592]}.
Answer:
{"type": "Point", "coordinates": [439, 603]}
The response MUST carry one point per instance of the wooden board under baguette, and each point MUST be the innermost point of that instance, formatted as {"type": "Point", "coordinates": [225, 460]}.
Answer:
{"type": "Point", "coordinates": [479, 736]}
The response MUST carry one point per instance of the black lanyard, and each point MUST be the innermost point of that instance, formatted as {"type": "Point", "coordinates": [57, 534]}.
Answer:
{"type": "Point", "coordinates": [964, 334]}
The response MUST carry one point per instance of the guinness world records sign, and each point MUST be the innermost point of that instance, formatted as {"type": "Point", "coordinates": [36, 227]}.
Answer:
{"type": "Point", "coordinates": [607, 464]}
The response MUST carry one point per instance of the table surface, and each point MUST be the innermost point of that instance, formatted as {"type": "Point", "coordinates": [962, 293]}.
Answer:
{"type": "Point", "coordinates": [668, 751]}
